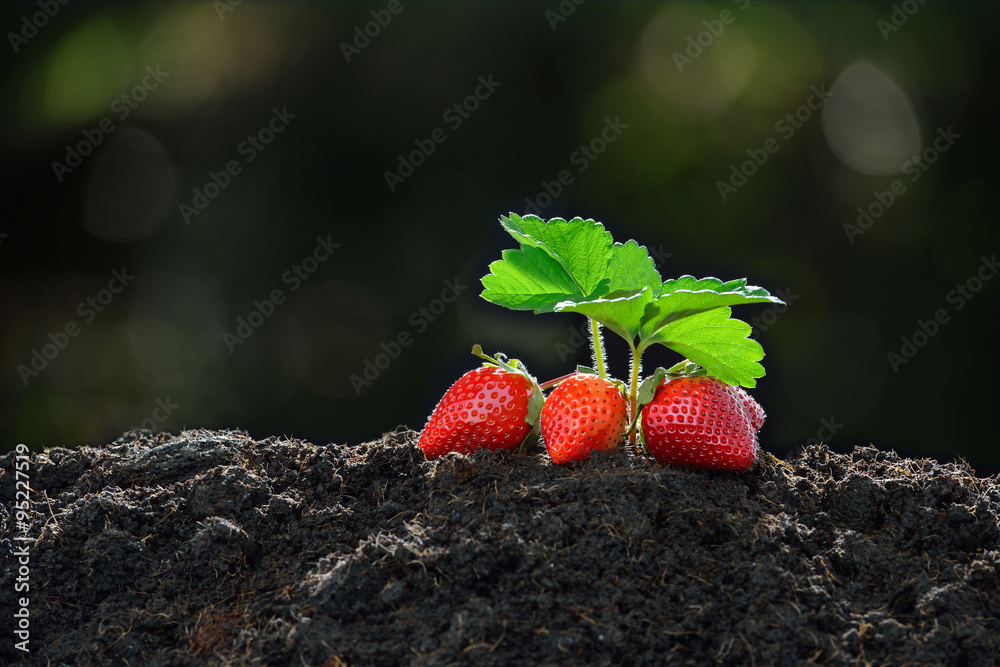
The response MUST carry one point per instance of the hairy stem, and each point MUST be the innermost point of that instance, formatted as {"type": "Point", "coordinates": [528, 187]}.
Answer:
{"type": "Point", "coordinates": [595, 339]}
{"type": "Point", "coordinates": [633, 388]}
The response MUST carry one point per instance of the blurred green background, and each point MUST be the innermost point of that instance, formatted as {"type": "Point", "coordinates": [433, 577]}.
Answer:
{"type": "Point", "coordinates": [116, 117]}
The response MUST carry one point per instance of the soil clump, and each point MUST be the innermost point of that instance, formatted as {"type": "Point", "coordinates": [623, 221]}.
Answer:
{"type": "Point", "coordinates": [212, 548]}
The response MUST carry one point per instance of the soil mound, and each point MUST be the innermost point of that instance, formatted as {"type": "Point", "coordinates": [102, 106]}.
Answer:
{"type": "Point", "coordinates": [212, 548]}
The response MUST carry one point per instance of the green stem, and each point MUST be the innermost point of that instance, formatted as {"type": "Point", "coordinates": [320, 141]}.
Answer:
{"type": "Point", "coordinates": [633, 389]}
{"type": "Point", "coordinates": [595, 339]}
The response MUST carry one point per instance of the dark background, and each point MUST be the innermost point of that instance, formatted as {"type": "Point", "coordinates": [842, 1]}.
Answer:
{"type": "Point", "coordinates": [161, 338]}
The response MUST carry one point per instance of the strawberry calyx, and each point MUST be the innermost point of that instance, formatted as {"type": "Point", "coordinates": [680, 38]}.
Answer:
{"type": "Point", "coordinates": [684, 369]}
{"type": "Point", "coordinates": [535, 399]}
{"type": "Point", "coordinates": [647, 388]}
{"type": "Point", "coordinates": [584, 370]}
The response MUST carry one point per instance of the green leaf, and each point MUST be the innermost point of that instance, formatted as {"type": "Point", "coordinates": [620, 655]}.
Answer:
{"type": "Point", "coordinates": [528, 279]}
{"type": "Point", "coordinates": [620, 312]}
{"type": "Point", "coordinates": [715, 342]}
{"type": "Point", "coordinates": [685, 296]}
{"type": "Point", "coordinates": [535, 402]}
{"type": "Point", "coordinates": [581, 247]}
{"type": "Point", "coordinates": [632, 268]}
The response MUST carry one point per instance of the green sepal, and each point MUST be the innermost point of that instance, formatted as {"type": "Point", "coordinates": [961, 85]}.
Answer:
{"type": "Point", "coordinates": [647, 388]}
{"type": "Point", "coordinates": [535, 400]}
{"type": "Point", "coordinates": [645, 394]}
{"type": "Point", "coordinates": [685, 368]}
{"type": "Point", "coordinates": [682, 369]}
{"type": "Point", "coordinates": [620, 385]}
{"type": "Point", "coordinates": [530, 439]}
{"type": "Point", "coordinates": [535, 403]}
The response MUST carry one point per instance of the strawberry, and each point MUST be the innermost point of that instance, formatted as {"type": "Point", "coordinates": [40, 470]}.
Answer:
{"type": "Point", "coordinates": [750, 407]}
{"type": "Point", "coordinates": [701, 422]}
{"type": "Point", "coordinates": [495, 406]}
{"type": "Point", "coordinates": [582, 414]}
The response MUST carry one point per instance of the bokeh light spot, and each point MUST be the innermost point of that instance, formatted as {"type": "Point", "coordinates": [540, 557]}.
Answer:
{"type": "Point", "coordinates": [869, 122]}
{"type": "Point", "coordinates": [85, 72]}
{"type": "Point", "coordinates": [133, 188]}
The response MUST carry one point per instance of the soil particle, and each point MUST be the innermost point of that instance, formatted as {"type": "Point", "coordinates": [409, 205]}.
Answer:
{"type": "Point", "coordinates": [211, 548]}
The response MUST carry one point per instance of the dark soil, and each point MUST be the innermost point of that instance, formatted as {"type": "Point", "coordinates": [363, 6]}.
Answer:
{"type": "Point", "coordinates": [212, 548]}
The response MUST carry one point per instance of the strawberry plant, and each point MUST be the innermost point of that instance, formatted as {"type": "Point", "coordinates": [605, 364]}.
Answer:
{"type": "Point", "coordinates": [576, 266]}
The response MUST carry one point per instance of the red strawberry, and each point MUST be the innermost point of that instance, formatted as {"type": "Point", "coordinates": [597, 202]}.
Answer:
{"type": "Point", "coordinates": [701, 422]}
{"type": "Point", "coordinates": [751, 408]}
{"type": "Point", "coordinates": [492, 407]}
{"type": "Point", "coordinates": [582, 414]}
